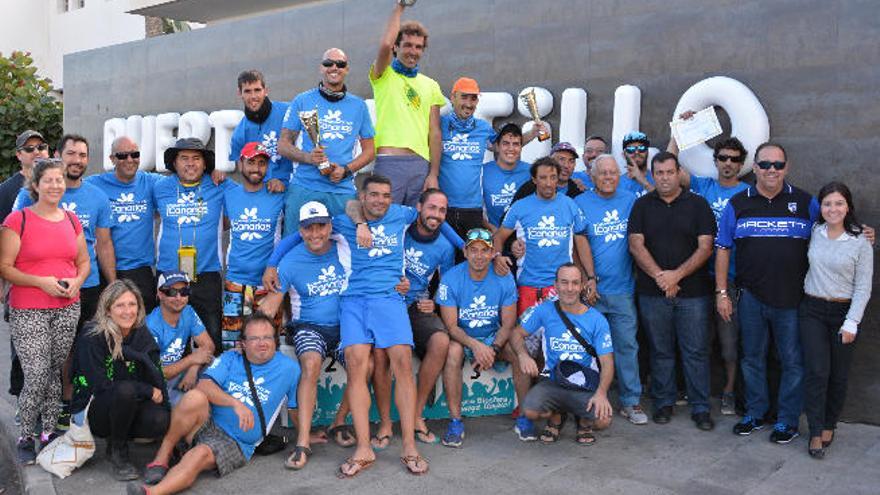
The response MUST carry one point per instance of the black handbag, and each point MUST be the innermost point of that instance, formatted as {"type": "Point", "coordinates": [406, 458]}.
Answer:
{"type": "Point", "coordinates": [565, 370]}
{"type": "Point", "coordinates": [271, 444]}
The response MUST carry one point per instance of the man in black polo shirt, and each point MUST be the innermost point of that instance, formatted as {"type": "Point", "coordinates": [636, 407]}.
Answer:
{"type": "Point", "coordinates": [670, 237]}
{"type": "Point", "coordinates": [770, 225]}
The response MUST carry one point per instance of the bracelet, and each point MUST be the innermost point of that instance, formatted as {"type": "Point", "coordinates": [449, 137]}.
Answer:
{"type": "Point", "coordinates": [348, 173]}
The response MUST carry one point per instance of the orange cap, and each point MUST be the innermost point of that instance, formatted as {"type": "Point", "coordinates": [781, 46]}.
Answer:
{"type": "Point", "coordinates": [466, 85]}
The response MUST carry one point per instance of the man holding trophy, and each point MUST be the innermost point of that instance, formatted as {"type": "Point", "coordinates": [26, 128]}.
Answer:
{"type": "Point", "coordinates": [408, 103]}
{"type": "Point", "coordinates": [335, 122]}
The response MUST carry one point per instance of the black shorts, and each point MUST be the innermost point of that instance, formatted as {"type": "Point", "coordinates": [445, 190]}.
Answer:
{"type": "Point", "coordinates": [424, 325]}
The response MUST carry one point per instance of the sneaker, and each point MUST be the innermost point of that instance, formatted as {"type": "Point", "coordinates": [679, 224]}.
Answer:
{"type": "Point", "coordinates": [27, 451]}
{"type": "Point", "coordinates": [525, 429]}
{"type": "Point", "coordinates": [663, 415]}
{"type": "Point", "coordinates": [47, 438]}
{"type": "Point", "coordinates": [782, 433]}
{"type": "Point", "coordinates": [728, 404]}
{"type": "Point", "coordinates": [154, 473]}
{"type": "Point", "coordinates": [634, 414]}
{"type": "Point", "coordinates": [454, 433]}
{"type": "Point", "coordinates": [682, 399]}
{"type": "Point", "coordinates": [747, 425]}
{"type": "Point", "coordinates": [703, 420]}
{"type": "Point", "coordinates": [63, 423]}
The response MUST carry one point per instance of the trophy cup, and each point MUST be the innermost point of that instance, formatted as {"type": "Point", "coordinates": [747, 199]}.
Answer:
{"type": "Point", "coordinates": [407, 3]}
{"type": "Point", "coordinates": [531, 103]}
{"type": "Point", "coordinates": [312, 126]}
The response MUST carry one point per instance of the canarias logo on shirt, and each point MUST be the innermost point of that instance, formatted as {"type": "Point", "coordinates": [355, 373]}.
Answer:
{"type": "Point", "coordinates": [547, 233]}
{"type": "Point", "coordinates": [270, 142]}
{"type": "Point", "coordinates": [478, 313]}
{"type": "Point", "coordinates": [460, 147]}
{"type": "Point", "coordinates": [85, 219]}
{"type": "Point", "coordinates": [249, 226]}
{"type": "Point", "coordinates": [126, 209]}
{"type": "Point", "coordinates": [242, 391]}
{"type": "Point", "coordinates": [382, 242]}
{"type": "Point", "coordinates": [612, 227]}
{"type": "Point", "coordinates": [413, 262]}
{"type": "Point", "coordinates": [187, 209]}
{"type": "Point", "coordinates": [173, 353]}
{"type": "Point", "coordinates": [329, 282]}
{"type": "Point", "coordinates": [333, 127]}
{"type": "Point", "coordinates": [505, 196]}
{"type": "Point", "coordinates": [718, 207]}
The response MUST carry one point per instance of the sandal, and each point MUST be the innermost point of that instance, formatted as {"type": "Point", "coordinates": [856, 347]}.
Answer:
{"type": "Point", "coordinates": [826, 444]}
{"type": "Point", "coordinates": [377, 439]}
{"type": "Point", "coordinates": [548, 436]}
{"type": "Point", "coordinates": [421, 435]}
{"type": "Point", "coordinates": [343, 435]}
{"type": "Point", "coordinates": [411, 462]}
{"type": "Point", "coordinates": [296, 456]}
{"type": "Point", "coordinates": [359, 464]}
{"type": "Point", "coordinates": [585, 436]}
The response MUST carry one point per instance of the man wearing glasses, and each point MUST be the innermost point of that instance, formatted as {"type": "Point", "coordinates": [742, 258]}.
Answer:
{"type": "Point", "coordinates": [635, 151]}
{"type": "Point", "coordinates": [261, 123]}
{"type": "Point", "coordinates": [593, 147]}
{"type": "Point", "coordinates": [131, 202]}
{"type": "Point", "coordinates": [326, 172]}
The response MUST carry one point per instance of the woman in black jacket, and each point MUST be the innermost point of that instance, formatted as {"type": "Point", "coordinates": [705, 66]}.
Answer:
{"type": "Point", "coordinates": [117, 367]}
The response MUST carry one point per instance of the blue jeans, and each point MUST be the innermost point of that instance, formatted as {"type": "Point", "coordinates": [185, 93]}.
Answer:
{"type": "Point", "coordinates": [620, 311]}
{"type": "Point", "coordinates": [756, 321]}
{"type": "Point", "coordinates": [685, 320]}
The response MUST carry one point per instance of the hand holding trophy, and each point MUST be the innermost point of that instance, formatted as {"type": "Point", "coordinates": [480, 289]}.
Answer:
{"type": "Point", "coordinates": [531, 102]}
{"type": "Point", "coordinates": [312, 126]}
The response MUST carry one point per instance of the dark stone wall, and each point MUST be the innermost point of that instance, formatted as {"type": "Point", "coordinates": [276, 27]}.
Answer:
{"type": "Point", "coordinates": [814, 64]}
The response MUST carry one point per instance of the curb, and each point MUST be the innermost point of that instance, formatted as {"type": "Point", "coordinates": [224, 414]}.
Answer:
{"type": "Point", "coordinates": [34, 479]}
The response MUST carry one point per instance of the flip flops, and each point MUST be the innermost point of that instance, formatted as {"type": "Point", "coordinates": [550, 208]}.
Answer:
{"type": "Point", "coordinates": [411, 463]}
{"type": "Point", "coordinates": [360, 464]}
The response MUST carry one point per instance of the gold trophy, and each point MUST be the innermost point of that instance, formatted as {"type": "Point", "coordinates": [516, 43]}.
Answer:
{"type": "Point", "coordinates": [531, 103]}
{"type": "Point", "coordinates": [311, 124]}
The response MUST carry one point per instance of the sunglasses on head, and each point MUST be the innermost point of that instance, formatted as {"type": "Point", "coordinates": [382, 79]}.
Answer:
{"type": "Point", "coordinates": [172, 292]}
{"type": "Point", "coordinates": [31, 149]}
{"type": "Point", "coordinates": [729, 158]}
{"type": "Point", "coordinates": [121, 155]}
{"type": "Point", "coordinates": [329, 62]}
{"type": "Point", "coordinates": [479, 235]}
{"type": "Point", "coordinates": [632, 149]}
{"type": "Point", "coordinates": [765, 165]}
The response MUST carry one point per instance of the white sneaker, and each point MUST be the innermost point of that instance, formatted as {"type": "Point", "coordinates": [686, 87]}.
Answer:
{"type": "Point", "coordinates": [634, 414]}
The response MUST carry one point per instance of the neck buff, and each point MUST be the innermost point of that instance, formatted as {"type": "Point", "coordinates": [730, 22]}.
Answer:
{"type": "Point", "coordinates": [458, 125]}
{"type": "Point", "coordinates": [329, 94]}
{"type": "Point", "coordinates": [403, 70]}
{"type": "Point", "coordinates": [261, 114]}
{"type": "Point", "coordinates": [413, 231]}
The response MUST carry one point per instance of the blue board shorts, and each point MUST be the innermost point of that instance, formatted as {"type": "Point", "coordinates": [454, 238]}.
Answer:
{"type": "Point", "coordinates": [382, 321]}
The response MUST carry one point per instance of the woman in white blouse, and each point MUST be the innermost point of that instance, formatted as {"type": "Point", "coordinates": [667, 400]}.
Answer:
{"type": "Point", "coordinates": [837, 287]}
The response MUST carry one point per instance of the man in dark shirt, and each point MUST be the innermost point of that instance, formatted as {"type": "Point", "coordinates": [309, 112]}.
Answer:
{"type": "Point", "coordinates": [670, 237]}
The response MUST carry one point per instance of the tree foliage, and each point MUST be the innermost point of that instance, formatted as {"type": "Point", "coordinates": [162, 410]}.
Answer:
{"type": "Point", "coordinates": [26, 102]}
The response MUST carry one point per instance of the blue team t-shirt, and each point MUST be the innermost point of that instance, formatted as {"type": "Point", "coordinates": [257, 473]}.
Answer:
{"type": "Point", "coordinates": [132, 207]}
{"type": "Point", "coordinates": [422, 260]}
{"type": "Point", "coordinates": [267, 134]}
{"type": "Point", "coordinates": [172, 340]}
{"type": "Point", "coordinates": [479, 302]}
{"type": "Point", "coordinates": [376, 270]}
{"type": "Point", "coordinates": [92, 207]}
{"type": "Point", "coordinates": [314, 283]}
{"type": "Point", "coordinates": [273, 380]}
{"type": "Point", "coordinates": [255, 224]}
{"type": "Point", "coordinates": [190, 216]}
{"type": "Point", "coordinates": [548, 228]}
{"type": "Point", "coordinates": [559, 343]}
{"type": "Point", "coordinates": [499, 187]}
{"type": "Point", "coordinates": [634, 187]}
{"type": "Point", "coordinates": [585, 178]}
{"type": "Point", "coordinates": [607, 220]}
{"type": "Point", "coordinates": [717, 196]}
{"type": "Point", "coordinates": [342, 123]}
{"type": "Point", "coordinates": [461, 164]}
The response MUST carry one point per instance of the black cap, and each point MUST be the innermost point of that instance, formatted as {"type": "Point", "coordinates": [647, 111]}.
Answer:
{"type": "Point", "coordinates": [24, 136]}
{"type": "Point", "coordinates": [189, 144]}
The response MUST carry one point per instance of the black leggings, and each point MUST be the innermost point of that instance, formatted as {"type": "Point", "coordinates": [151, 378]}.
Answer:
{"type": "Point", "coordinates": [119, 415]}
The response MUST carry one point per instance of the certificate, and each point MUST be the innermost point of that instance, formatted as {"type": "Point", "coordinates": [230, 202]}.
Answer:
{"type": "Point", "coordinates": [697, 129]}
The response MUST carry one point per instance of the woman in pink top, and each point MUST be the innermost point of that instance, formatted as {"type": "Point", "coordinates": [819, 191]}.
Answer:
{"type": "Point", "coordinates": [43, 256]}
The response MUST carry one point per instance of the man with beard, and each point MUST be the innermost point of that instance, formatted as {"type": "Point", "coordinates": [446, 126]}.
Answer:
{"type": "Point", "coordinates": [190, 208]}
{"type": "Point", "coordinates": [261, 123]}
{"type": "Point", "coordinates": [131, 201]}
{"type": "Point", "coordinates": [635, 151]}
{"type": "Point", "coordinates": [253, 215]}
{"type": "Point", "coordinates": [408, 103]}
{"type": "Point", "coordinates": [566, 156]}
{"type": "Point", "coordinates": [326, 173]}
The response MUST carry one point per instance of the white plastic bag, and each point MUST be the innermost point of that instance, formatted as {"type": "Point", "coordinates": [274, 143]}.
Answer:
{"type": "Point", "coordinates": [69, 451]}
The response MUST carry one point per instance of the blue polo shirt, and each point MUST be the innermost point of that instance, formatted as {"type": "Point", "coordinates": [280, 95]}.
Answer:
{"type": "Point", "coordinates": [461, 164]}
{"type": "Point", "coordinates": [255, 225]}
{"type": "Point", "coordinates": [499, 187]}
{"type": "Point", "coordinates": [267, 134]}
{"type": "Point", "coordinates": [479, 302]}
{"type": "Point", "coordinates": [607, 220]}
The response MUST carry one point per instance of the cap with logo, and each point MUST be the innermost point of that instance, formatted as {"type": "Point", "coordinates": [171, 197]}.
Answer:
{"type": "Point", "coordinates": [169, 278]}
{"type": "Point", "coordinates": [252, 149]}
{"type": "Point", "coordinates": [564, 146]}
{"type": "Point", "coordinates": [313, 212]}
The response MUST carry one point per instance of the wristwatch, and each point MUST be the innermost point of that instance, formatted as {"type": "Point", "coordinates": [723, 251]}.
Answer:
{"type": "Point", "coordinates": [348, 173]}
{"type": "Point", "coordinates": [495, 348]}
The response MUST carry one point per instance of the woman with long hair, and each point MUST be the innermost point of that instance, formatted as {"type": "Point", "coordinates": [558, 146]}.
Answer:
{"type": "Point", "coordinates": [117, 367]}
{"type": "Point", "coordinates": [43, 256]}
{"type": "Point", "coordinates": [837, 287]}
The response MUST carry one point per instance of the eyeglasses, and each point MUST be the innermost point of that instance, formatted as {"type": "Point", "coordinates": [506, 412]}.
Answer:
{"type": "Point", "coordinates": [765, 165]}
{"type": "Point", "coordinates": [124, 155]}
{"type": "Point", "coordinates": [728, 158]}
{"type": "Point", "coordinates": [259, 338]}
{"type": "Point", "coordinates": [182, 292]}
{"type": "Point", "coordinates": [31, 149]}
{"type": "Point", "coordinates": [632, 149]}
{"type": "Point", "coordinates": [479, 235]}
{"type": "Point", "coordinates": [329, 62]}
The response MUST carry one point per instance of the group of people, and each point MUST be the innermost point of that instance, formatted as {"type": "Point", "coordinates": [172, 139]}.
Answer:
{"type": "Point", "coordinates": [175, 336]}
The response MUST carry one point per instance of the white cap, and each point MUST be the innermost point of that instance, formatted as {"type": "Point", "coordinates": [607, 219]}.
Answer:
{"type": "Point", "coordinates": [313, 212]}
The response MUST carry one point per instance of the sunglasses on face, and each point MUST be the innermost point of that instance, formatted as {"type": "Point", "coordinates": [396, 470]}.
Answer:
{"type": "Point", "coordinates": [765, 165]}
{"type": "Point", "coordinates": [728, 158]}
{"type": "Point", "coordinates": [124, 155]}
{"type": "Point", "coordinates": [31, 149]}
{"type": "Point", "coordinates": [182, 292]}
{"type": "Point", "coordinates": [479, 235]}
{"type": "Point", "coordinates": [632, 149]}
{"type": "Point", "coordinates": [328, 62]}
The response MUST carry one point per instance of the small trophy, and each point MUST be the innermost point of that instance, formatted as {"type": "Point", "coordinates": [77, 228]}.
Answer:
{"type": "Point", "coordinates": [531, 103]}
{"type": "Point", "coordinates": [407, 3]}
{"type": "Point", "coordinates": [312, 126]}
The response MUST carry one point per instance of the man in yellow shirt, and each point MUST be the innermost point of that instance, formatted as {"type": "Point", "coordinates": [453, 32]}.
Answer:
{"type": "Point", "coordinates": [408, 106]}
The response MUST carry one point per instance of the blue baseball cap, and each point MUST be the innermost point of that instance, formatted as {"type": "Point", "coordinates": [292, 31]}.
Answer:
{"type": "Point", "coordinates": [636, 137]}
{"type": "Point", "coordinates": [169, 278]}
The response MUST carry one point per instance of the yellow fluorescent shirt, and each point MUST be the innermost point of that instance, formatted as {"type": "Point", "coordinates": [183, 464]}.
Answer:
{"type": "Point", "coordinates": [403, 110]}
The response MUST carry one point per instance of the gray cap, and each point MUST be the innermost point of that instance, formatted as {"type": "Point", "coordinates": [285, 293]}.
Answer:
{"type": "Point", "coordinates": [24, 136]}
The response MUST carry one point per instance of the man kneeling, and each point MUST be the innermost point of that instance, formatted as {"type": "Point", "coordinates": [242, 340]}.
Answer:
{"type": "Point", "coordinates": [219, 419]}
{"type": "Point", "coordinates": [578, 368]}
